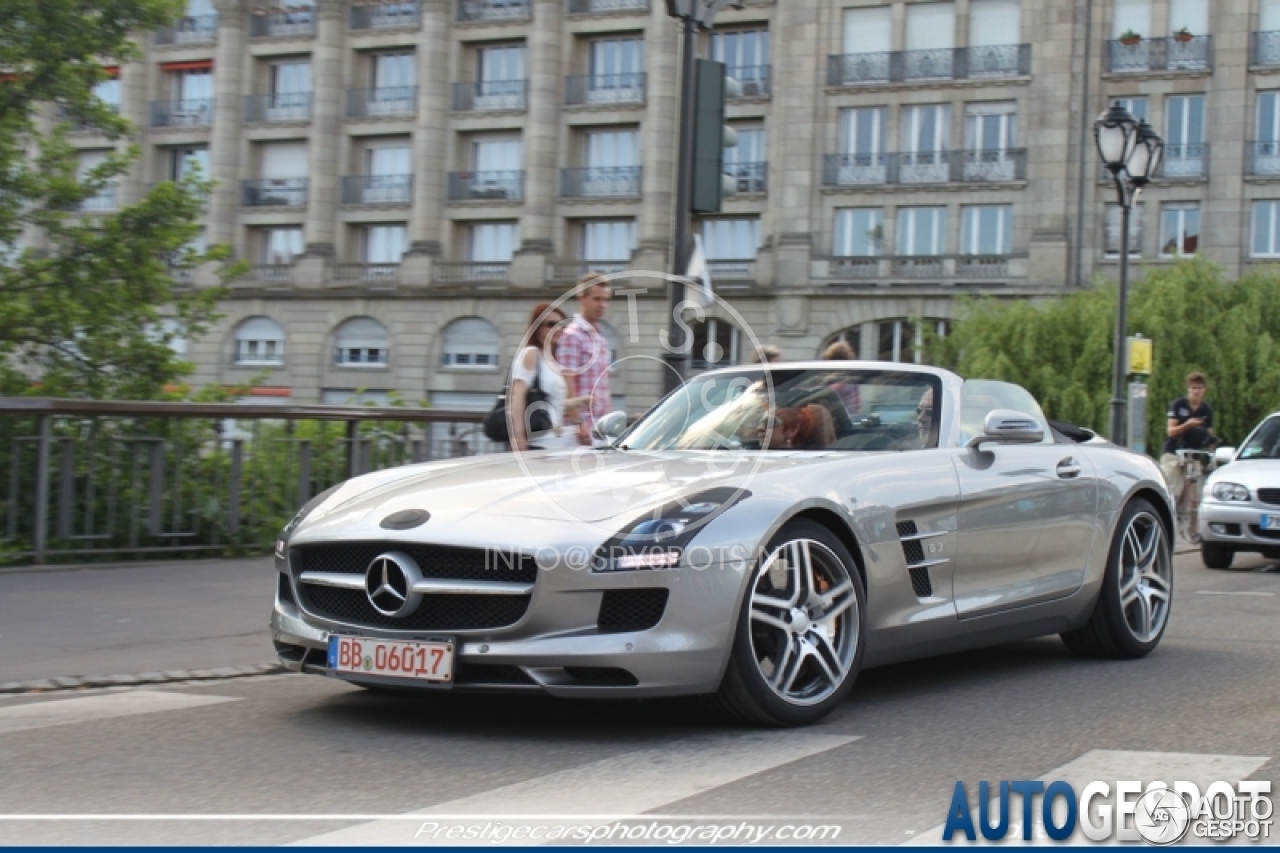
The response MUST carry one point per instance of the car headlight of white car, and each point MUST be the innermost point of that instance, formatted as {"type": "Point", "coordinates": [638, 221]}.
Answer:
{"type": "Point", "coordinates": [282, 541]}
{"type": "Point", "coordinates": [1230, 492]}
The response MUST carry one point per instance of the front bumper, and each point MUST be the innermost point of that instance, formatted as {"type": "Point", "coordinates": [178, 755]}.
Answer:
{"type": "Point", "coordinates": [557, 647]}
{"type": "Point", "coordinates": [1237, 524]}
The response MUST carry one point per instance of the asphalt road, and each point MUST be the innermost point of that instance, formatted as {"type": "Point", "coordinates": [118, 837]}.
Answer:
{"type": "Point", "coordinates": [324, 759]}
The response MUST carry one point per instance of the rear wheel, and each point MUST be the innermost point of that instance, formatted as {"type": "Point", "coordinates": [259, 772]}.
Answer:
{"type": "Point", "coordinates": [799, 641]}
{"type": "Point", "coordinates": [1215, 556]}
{"type": "Point", "coordinates": [1133, 605]}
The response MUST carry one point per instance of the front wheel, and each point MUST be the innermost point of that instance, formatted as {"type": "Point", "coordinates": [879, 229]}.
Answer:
{"type": "Point", "coordinates": [1133, 605]}
{"type": "Point", "coordinates": [799, 640]}
{"type": "Point", "coordinates": [1215, 556]}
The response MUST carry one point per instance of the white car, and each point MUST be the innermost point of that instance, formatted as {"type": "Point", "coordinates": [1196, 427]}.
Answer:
{"type": "Point", "coordinates": [1240, 507]}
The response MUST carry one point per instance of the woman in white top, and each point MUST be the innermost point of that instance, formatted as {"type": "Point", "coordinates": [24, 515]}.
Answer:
{"type": "Point", "coordinates": [545, 324]}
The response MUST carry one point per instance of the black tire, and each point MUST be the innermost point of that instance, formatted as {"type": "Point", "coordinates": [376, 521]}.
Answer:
{"type": "Point", "coordinates": [1216, 556]}
{"type": "Point", "coordinates": [744, 694]}
{"type": "Point", "coordinates": [1107, 634]}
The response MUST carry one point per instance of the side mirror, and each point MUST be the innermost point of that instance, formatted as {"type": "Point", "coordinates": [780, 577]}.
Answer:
{"type": "Point", "coordinates": [611, 426]}
{"type": "Point", "coordinates": [1223, 455]}
{"type": "Point", "coordinates": [1009, 427]}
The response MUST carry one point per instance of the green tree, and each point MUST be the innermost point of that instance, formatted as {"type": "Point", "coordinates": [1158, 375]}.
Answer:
{"type": "Point", "coordinates": [1061, 349]}
{"type": "Point", "coordinates": [83, 316]}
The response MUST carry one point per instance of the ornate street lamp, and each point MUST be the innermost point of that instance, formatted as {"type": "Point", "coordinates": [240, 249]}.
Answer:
{"type": "Point", "coordinates": [1131, 151]}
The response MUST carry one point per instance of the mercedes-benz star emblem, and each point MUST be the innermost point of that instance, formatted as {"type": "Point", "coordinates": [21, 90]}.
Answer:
{"type": "Point", "coordinates": [389, 582]}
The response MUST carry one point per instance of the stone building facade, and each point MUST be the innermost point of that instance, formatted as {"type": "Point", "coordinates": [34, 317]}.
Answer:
{"type": "Point", "coordinates": [408, 178]}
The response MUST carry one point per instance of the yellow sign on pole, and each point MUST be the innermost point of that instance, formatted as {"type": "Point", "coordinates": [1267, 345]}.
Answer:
{"type": "Point", "coordinates": [1140, 355]}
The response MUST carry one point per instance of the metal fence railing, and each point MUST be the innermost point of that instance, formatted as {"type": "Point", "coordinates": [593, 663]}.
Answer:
{"type": "Point", "coordinates": [281, 106]}
{"type": "Point", "coordinates": [925, 167]}
{"type": "Point", "coordinates": [582, 7]}
{"type": "Point", "coordinates": [385, 16]}
{"type": "Point", "coordinates": [90, 479]}
{"type": "Point", "coordinates": [193, 29]}
{"type": "Point", "coordinates": [377, 189]}
{"type": "Point", "coordinates": [471, 272]}
{"type": "Point", "coordinates": [191, 112]}
{"type": "Point", "coordinates": [490, 95]}
{"type": "Point", "coordinates": [950, 63]}
{"type": "Point", "coordinates": [493, 10]}
{"type": "Point", "coordinates": [300, 21]}
{"type": "Point", "coordinates": [600, 182]}
{"type": "Point", "coordinates": [605, 89]}
{"type": "Point", "coordinates": [1172, 53]}
{"type": "Point", "coordinates": [495, 186]}
{"type": "Point", "coordinates": [385, 101]}
{"type": "Point", "coordinates": [274, 192]}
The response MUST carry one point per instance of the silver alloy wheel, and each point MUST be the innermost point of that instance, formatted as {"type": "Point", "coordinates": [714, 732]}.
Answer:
{"type": "Point", "coordinates": [805, 619]}
{"type": "Point", "coordinates": [1145, 577]}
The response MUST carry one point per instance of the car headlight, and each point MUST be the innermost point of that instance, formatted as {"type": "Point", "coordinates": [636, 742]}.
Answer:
{"type": "Point", "coordinates": [657, 539]}
{"type": "Point", "coordinates": [282, 541]}
{"type": "Point", "coordinates": [1230, 492]}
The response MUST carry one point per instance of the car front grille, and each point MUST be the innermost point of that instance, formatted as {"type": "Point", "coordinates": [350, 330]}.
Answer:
{"type": "Point", "coordinates": [1269, 496]}
{"type": "Point", "coordinates": [435, 613]}
{"type": "Point", "coordinates": [631, 610]}
{"type": "Point", "coordinates": [1264, 534]}
{"type": "Point", "coordinates": [601, 676]}
{"type": "Point", "coordinates": [492, 673]}
{"type": "Point", "coordinates": [434, 561]}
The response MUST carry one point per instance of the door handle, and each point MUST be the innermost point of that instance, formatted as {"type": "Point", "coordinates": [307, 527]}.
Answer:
{"type": "Point", "coordinates": [1068, 469]}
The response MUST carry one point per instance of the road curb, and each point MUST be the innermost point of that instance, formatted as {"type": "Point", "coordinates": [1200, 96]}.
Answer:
{"type": "Point", "coordinates": [81, 682]}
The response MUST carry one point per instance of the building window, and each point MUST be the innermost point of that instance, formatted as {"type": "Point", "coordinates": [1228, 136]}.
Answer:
{"type": "Point", "coordinates": [1179, 229]}
{"type": "Point", "coordinates": [903, 340]}
{"type": "Point", "coordinates": [501, 77]}
{"type": "Point", "coordinates": [494, 242]}
{"type": "Point", "coordinates": [868, 30]}
{"type": "Point", "coordinates": [994, 23]}
{"type": "Point", "coordinates": [393, 71]}
{"type": "Point", "coordinates": [189, 160]}
{"type": "Point", "coordinates": [1111, 229]}
{"type": "Point", "coordinates": [730, 239]}
{"type": "Point", "coordinates": [1131, 16]}
{"type": "Point", "coordinates": [384, 244]}
{"type": "Point", "coordinates": [108, 91]}
{"type": "Point", "coordinates": [259, 342]}
{"type": "Point", "coordinates": [1184, 136]}
{"type": "Point", "coordinates": [715, 344]}
{"type": "Point", "coordinates": [1266, 230]}
{"type": "Point", "coordinates": [991, 126]}
{"type": "Point", "coordinates": [746, 55]}
{"type": "Point", "coordinates": [926, 133]}
{"type": "Point", "coordinates": [470, 343]}
{"type": "Point", "coordinates": [353, 397]}
{"type": "Point", "coordinates": [105, 196]}
{"type": "Point", "coordinates": [986, 230]}
{"type": "Point", "coordinates": [608, 240]}
{"type": "Point", "coordinates": [859, 232]}
{"type": "Point", "coordinates": [281, 246]}
{"type": "Point", "coordinates": [1137, 105]}
{"type": "Point", "coordinates": [922, 231]}
{"type": "Point", "coordinates": [362, 342]}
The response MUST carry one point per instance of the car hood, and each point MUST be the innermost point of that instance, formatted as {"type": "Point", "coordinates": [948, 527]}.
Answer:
{"type": "Point", "coordinates": [552, 486]}
{"type": "Point", "coordinates": [1253, 474]}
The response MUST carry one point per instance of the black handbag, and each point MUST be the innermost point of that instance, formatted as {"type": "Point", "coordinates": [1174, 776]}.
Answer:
{"type": "Point", "coordinates": [537, 418]}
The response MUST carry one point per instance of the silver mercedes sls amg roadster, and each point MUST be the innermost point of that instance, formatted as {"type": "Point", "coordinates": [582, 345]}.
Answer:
{"type": "Point", "coordinates": [761, 535]}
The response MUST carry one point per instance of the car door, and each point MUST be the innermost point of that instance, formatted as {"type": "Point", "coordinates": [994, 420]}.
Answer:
{"type": "Point", "coordinates": [1026, 519]}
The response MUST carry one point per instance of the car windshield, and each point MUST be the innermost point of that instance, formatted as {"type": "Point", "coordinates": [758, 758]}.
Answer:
{"type": "Point", "coordinates": [794, 409]}
{"type": "Point", "coordinates": [1265, 443]}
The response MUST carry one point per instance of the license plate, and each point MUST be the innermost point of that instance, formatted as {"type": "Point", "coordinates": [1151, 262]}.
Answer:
{"type": "Point", "coordinates": [424, 661]}
{"type": "Point", "coordinates": [1270, 522]}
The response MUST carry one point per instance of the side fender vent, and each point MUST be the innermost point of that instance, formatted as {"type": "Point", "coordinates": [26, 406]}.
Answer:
{"type": "Point", "coordinates": [913, 549]}
{"type": "Point", "coordinates": [920, 582]}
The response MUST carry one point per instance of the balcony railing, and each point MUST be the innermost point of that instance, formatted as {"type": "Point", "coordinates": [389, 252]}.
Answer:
{"type": "Point", "coordinates": [386, 16]}
{"type": "Point", "coordinates": [953, 63]}
{"type": "Point", "coordinates": [748, 177]}
{"type": "Point", "coordinates": [1173, 53]}
{"type": "Point", "coordinates": [367, 273]}
{"type": "Point", "coordinates": [494, 186]}
{"type": "Point", "coordinates": [941, 268]}
{"type": "Point", "coordinates": [493, 10]}
{"type": "Point", "coordinates": [470, 272]}
{"type": "Point", "coordinates": [274, 192]}
{"type": "Point", "coordinates": [186, 113]}
{"type": "Point", "coordinates": [1266, 48]}
{"type": "Point", "coordinates": [377, 189]}
{"type": "Point", "coordinates": [1264, 158]}
{"type": "Point", "coordinates": [582, 7]}
{"type": "Point", "coordinates": [925, 167]}
{"type": "Point", "coordinates": [283, 106]}
{"type": "Point", "coordinates": [271, 273]}
{"type": "Point", "coordinates": [1185, 161]}
{"type": "Point", "coordinates": [605, 89]}
{"type": "Point", "coordinates": [574, 270]}
{"type": "Point", "coordinates": [605, 182]}
{"type": "Point", "coordinates": [197, 29]}
{"type": "Point", "coordinates": [754, 80]}
{"type": "Point", "coordinates": [299, 22]}
{"type": "Point", "coordinates": [490, 95]}
{"type": "Point", "coordinates": [91, 479]}
{"type": "Point", "coordinates": [387, 101]}
{"type": "Point", "coordinates": [723, 270]}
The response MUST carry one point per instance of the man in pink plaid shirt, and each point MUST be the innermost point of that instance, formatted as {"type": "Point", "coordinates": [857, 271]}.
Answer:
{"type": "Point", "coordinates": [584, 353]}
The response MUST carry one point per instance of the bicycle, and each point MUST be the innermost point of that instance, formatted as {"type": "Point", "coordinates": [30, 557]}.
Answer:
{"type": "Point", "coordinates": [1194, 464]}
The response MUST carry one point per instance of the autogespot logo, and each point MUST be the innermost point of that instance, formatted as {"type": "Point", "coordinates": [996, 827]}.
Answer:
{"type": "Point", "coordinates": [633, 296]}
{"type": "Point", "coordinates": [1156, 813]}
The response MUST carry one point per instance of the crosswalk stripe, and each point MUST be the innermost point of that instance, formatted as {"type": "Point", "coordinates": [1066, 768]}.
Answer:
{"type": "Point", "coordinates": [65, 712]}
{"type": "Point", "coordinates": [1108, 765]}
{"type": "Point", "coordinates": [601, 791]}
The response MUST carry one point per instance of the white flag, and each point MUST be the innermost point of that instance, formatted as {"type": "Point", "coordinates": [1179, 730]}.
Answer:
{"type": "Point", "coordinates": [698, 270]}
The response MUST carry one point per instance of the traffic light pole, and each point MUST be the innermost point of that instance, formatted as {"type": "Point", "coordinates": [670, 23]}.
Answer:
{"type": "Point", "coordinates": [676, 352]}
